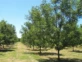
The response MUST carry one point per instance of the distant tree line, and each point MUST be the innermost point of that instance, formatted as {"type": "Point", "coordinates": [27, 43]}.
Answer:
{"type": "Point", "coordinates": [54, 25]}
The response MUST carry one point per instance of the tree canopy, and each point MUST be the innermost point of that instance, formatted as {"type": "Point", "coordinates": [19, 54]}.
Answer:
{"type": "Point", "coordinates": [7, 33]}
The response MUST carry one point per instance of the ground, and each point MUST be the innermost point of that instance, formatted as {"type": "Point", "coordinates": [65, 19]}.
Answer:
{"type": "Point", "coordinates": [22, 53]}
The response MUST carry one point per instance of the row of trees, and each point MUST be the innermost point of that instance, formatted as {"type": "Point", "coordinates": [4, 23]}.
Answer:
{"type": "Point", "coordinates": [7, 33]}
{"type": "Point", "coordinates": [53, 24]}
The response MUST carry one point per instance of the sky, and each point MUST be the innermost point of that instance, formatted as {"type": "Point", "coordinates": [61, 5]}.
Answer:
{"type": "Point", "coordinates": [14, 11]}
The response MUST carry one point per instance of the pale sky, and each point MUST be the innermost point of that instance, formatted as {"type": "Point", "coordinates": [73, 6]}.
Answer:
{"type": "Point", "coordinates": [14, 11]}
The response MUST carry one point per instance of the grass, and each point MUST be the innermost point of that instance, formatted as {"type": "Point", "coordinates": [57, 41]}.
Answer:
{"type": "Point", "coordinates": [20, 53]}
{"type": "Point", "coordinates": [68, 53]}
{"type": "Point", "coordinates": [17, 54]}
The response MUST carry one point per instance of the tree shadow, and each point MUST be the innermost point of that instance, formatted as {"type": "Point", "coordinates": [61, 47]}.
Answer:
{"type": "Point", "coordinates": [77, 51]}
{"type": "Point", "coordinates": [62, 60]}
{"type": "Point", "coordinates": [43, 53]}
{"type": "Point", "coordinates": [1, 54]}
{"type": "Point", "coordinates": [6, 50]}
{"type": "Point", "coordinates": [37, 49]}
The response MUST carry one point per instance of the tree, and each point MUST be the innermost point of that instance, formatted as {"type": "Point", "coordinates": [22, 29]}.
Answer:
{"type": "Point", "coordinates": [54, 24]}
{"type": "Point", "coordinates": [70, 27]}
{"type": "Point", "coordinates": [7, 33]}
{"type": "Point", "coordinates": [80, 30]}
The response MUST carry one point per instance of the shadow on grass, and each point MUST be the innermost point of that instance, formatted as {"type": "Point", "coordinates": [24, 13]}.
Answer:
{"type": "Point", "coordinates": [37, 49]}
{"type": "Point", "coordinates": [1, 54]}
{"type": "Point", "coordinates": [42, 54]}
{"type": "Point", "coordinates": [6, 50]}
{"type": "Point", "coordinates": [77, 51]}
{"type": "Point", "coordinates": [62, 60]}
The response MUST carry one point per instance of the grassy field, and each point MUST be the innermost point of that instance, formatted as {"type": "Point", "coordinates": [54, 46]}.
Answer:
{"type": "Point", "coordinates": [21, 53]}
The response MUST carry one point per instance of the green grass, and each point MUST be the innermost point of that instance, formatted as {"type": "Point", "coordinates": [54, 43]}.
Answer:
{"type": "Point", "coordinates": [20, 53]}
{"type": "Point", "coordinates": [68, 53]}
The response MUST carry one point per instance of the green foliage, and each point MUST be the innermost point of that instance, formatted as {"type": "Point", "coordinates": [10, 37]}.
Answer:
{"type": "Point", "coordinates": [7, 33]}
{"type": "Point", "coordinates": [80, 30]}
{"type": "Point", "coordinates": [53, 25]}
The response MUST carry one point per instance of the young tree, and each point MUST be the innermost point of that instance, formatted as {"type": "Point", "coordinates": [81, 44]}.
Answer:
{"type": "Point", "coordinates": [7, 33]}
{"type": "Point", "coordinates": [54, 24]}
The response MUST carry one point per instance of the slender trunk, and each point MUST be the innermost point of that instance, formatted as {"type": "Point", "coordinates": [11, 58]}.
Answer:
{"type": "Point", "coordinates": [30, 46]}
{"type": "Point", "coordinates": [73, 49]}
{"type": "Point", "coordinates": [40, 50]}
{"type": "Point", "coordinates": [3, 46]}
{"type": "Point", "coordinates": [46, 48]}
{"type": "Point", "coordinates": [33, 45]}
{"type": "Point", "coordinates": [58, 46]}
{"type": "Point", "coordinates": [58, 55]}
{"type": "Point", "coordinates": [0, 46]}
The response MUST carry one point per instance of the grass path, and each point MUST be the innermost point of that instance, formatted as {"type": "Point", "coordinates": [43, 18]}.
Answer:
{"type": "Point", "coordinates": [21, 48]}
{"type": "Point", "coordinates": [17, 55]}
{"type": "Point", "coordinates": [21, 53]}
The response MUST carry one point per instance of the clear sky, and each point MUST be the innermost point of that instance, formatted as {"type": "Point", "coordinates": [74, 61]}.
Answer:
{"type": "Point", "coordinates": [14, 11]}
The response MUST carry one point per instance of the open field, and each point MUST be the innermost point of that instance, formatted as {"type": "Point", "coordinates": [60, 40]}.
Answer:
{"type": "Point", "coordinates": [21, 53]}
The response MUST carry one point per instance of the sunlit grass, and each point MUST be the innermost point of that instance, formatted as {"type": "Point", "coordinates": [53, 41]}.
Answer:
{"type": "Point", "coordinates": [20, 53]}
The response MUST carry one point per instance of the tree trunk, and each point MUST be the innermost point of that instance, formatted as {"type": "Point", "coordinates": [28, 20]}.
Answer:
{"type": "Point", "coordinates": [58, 55]}
{"type": "Point", "coordinates": [45, 48]}
{"type": "Point", "coordinates": [3, 46]}
{"type": "Point", "coordinates": [33, 45]}
{"type": "Point", "coordinates": [40, 50]}
{"type": "Point", "coordinates": [73, 49]}
{"type": "Point", "coordinates": [30, 45]}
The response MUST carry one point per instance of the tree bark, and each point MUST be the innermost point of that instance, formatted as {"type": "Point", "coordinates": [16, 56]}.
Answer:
{"type": "Point", "coordinates": [73, 49]}
{"type": "Point", "coordinates": [3, 46]}
{"type": "Point", "coordinates": [58, 55]}
{"type": "Point", "coordinates": [30, 45]}
{"type": "Point", "coordinates": [33, 45]}
{"type": "Point", "coordinates": [40, 50]}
